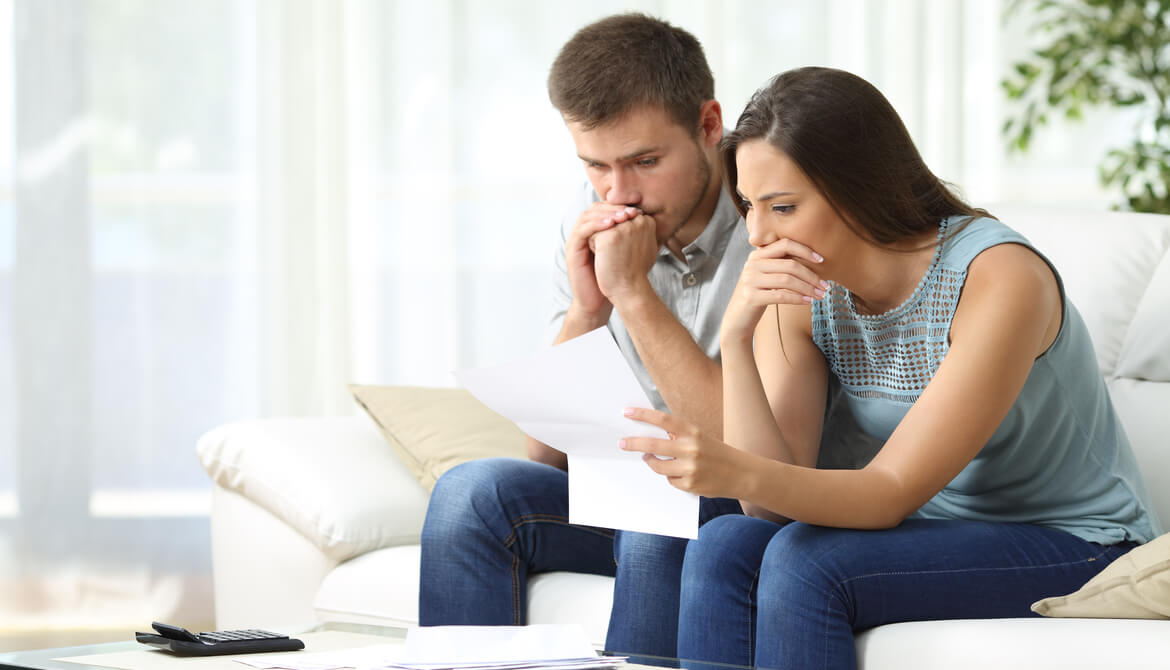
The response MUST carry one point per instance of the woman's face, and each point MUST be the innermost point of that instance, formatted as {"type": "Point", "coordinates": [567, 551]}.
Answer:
{"type": "Point", "coordinates": [781, 202]}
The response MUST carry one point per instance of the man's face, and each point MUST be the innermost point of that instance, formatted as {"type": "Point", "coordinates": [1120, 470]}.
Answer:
{"type": "Point", "coordinates": [647, 160]}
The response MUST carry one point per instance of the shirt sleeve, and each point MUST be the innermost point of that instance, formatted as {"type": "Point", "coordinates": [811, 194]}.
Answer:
{"type": "Point", "coordinates": [561, 296]}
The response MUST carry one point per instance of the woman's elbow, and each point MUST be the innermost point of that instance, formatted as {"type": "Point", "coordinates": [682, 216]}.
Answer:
{"type": "Point", "coordinates": [757, 512]}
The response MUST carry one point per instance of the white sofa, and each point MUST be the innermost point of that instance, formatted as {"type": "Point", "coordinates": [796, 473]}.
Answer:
{"type": "Point", "coordinates": [316, 519]}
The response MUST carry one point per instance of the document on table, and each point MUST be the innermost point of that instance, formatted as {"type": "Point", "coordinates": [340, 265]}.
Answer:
{"type": "Point", "coordinates": [543, 647]}
{"type": "Point", "coordinates": [571, 397]}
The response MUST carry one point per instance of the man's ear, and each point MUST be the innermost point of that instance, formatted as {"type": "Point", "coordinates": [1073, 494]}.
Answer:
{"type": "Point", "coordinates": [711, 123]}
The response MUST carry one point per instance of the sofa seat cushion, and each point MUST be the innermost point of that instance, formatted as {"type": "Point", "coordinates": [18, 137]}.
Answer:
{"type": "Point", "coordinates": [381, 587]}
{"type": "Point", "coordinates": [1016, 644]}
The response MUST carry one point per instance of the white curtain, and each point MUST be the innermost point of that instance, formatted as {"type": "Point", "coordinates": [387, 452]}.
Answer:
{"type": "Point", "coordinates": [222, 209]}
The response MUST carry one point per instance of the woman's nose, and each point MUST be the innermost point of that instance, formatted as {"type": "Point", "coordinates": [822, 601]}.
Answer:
{"type": "Point", "coordinates": [759, 236]}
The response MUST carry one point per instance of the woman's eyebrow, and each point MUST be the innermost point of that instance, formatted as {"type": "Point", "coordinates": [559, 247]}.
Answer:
{"type": "Point", "coordinates": [767, 197]}
{"type": "Point", "coordinates": [774, 195]}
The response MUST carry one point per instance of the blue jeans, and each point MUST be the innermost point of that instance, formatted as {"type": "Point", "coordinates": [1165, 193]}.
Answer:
{"type": "Point", "coordinates": [493, 522]}
{"type": "Point", "coordinates": [757, 593]}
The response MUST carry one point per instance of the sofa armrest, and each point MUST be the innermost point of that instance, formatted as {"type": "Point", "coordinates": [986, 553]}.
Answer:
{"type": "Point", "coordinates": [265, 574]}
{"type": "Point", "coordinates": [334, 480]}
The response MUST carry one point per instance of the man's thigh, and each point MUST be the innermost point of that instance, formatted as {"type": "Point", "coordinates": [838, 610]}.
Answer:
{"type": "Point", "coordinates": [524, 507]}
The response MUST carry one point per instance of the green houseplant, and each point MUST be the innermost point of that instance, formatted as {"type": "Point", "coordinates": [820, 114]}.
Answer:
{"type": "Point", "coordinates": [1100, 52]}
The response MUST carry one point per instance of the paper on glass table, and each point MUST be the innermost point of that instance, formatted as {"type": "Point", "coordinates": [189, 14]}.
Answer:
{"type": "Point", "coordinates": [543, 647]}
{"type": "Point", "coordinates": [465, 647]}
{"type": "Point", "coordinates": [571, 397]}
{"type": "Point", "coordinates": [373, 656]}
{"type": "Point", "coordinates": [338, 646]}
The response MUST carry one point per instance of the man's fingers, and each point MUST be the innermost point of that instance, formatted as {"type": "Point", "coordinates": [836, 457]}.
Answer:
{"type": "Point", "coordinates": [600, 217]}
{"type": "Point", "coordinates": [624, 214]}
{"type": "Point", "coordinates": [584, 232]}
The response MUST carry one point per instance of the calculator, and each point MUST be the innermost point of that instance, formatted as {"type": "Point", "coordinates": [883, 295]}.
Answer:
{"type": "Point", "coordinates": [185, 643]}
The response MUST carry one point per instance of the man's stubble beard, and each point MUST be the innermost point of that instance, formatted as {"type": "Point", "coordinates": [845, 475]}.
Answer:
{"type": "Point", "coordinates": [703, 174]}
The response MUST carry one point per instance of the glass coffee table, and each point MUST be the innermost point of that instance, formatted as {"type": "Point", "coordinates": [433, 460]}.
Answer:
{"type": "Point", "coordinates": [47, 659]}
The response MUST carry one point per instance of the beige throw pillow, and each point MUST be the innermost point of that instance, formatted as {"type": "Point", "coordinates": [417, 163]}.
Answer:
{"type": "Point", "coordinates": [1135, 586]}
{"type": "Point", "coordinates": [435, 429]}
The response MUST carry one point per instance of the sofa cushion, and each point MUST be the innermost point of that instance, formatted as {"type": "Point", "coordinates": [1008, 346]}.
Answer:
{"type": "Point", "coordinates": [1135, 586]}
{"type": "Point", "coordinates": [381, 588]}
{"type": "Point", "coordinates": [292, 467]}
{"type": "Point", "coordinates": [434, 429]}
{"type": "Point", "coordinates": [1015, 644]}
{"type": "Point", "coordinates": [1109, 277]}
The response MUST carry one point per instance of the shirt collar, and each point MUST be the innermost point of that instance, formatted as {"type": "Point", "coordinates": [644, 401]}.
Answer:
{"type": "Point", "coordinates": [714, 236]}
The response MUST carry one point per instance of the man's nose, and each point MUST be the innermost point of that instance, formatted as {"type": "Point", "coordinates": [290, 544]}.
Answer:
{"type": "Point", "coordinates": [623, 189]}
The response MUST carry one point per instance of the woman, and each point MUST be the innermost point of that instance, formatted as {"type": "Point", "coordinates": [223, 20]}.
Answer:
{"type": "Point", "coordinates": [1004, 474]}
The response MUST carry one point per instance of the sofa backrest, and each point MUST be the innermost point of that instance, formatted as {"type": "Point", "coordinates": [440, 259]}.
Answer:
{"type": "Point", "coordinates": [1116, 270]}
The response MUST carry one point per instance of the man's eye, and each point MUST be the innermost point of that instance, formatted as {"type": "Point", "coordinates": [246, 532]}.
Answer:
{"type": "Point", "coordinates": [784, 209]}
{"type": "Point", "coordinates": [593, 165]}
{"type": "Point", "coordinates": [647, 162]}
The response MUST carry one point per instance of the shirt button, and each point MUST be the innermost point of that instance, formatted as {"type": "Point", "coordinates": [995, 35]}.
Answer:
{"type": "Point", "coordinates": [690, 279]}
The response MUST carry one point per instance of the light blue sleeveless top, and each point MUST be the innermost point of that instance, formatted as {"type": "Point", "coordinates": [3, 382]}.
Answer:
{"type": "Point", "coordinates": [1059, 459]}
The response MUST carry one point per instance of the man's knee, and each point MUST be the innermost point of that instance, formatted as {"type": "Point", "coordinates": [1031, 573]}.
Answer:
{"type": "Point", "coordinates": [488, 494]}
{"type": "Point", "coordinates": [466, 492]}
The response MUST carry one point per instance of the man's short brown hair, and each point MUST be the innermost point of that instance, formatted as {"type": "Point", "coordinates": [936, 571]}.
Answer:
{"type": "Point", "coordinates": [627, 60]}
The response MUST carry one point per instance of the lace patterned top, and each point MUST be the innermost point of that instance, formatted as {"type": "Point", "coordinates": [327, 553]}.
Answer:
{"type": "Point", "coordinates": [1060, 458]}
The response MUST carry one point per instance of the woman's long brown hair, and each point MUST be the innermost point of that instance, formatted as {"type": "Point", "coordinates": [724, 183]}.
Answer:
{"type": "Point", "coordinates": [847, 138]}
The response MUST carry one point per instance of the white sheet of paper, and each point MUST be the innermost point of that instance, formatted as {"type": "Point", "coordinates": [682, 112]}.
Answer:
{"type": "Point", "coordinates": [452, 645]}
{"type": "Point", "coordinates": [373, 656]}
{"type": "Point", "coordinates": [571, 397]}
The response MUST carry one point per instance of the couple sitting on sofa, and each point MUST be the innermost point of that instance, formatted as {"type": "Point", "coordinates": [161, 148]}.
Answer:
{"type": "Point", "coordinates": [1003, 475]}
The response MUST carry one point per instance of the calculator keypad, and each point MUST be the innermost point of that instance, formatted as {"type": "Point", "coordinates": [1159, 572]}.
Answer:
{"type": "Point", "coordinates": [239, 635]}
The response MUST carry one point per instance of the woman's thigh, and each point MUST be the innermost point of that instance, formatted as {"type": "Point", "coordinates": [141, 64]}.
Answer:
{"type": "Point", "coordinates": [818, 586]}
{"type": "Point", "coordinates": [931, 569]}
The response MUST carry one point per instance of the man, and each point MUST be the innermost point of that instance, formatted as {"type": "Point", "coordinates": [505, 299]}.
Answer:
{"type": "Point", "coordinates": [653, 253]}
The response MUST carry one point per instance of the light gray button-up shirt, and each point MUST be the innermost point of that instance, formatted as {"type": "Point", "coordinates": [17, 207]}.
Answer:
{"type": "Point", "coordinates": [696, 291]}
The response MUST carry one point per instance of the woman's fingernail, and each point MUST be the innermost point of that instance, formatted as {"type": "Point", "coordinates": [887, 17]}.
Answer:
{"type": "Point", "coordinates": [607, 221]}
{"type": "Point", "coordinates": [820, 293]}
{"type": "Point", "coordinates": [622, 444]}
{"type": "Point", "coordinates": [629, 411]}
{"type": "Point", "coordinates": [819, 258]}
{"type": "Point", "coordinates": [806, 298]}
{"type": "Point", "coordinates": [824, 284]}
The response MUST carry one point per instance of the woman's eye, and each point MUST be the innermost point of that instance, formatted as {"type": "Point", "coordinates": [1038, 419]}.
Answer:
{"type": "Point", "coordinates": [783, 209]}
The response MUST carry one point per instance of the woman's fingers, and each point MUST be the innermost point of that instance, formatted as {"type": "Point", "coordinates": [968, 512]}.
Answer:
{"type": "Point", "coordinates": [789, 248]}
{"type": "Point", "coordinates": [664, 420]}
{"type": "Point", "coordinates": [785, 274]}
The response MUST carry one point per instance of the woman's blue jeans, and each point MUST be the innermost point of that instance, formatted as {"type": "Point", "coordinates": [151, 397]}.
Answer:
{"type": "Point", "coordinates": [757, 593]}
{"type": "Point", "coordinates": [493, 522]}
